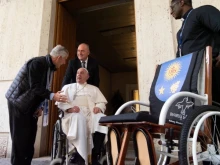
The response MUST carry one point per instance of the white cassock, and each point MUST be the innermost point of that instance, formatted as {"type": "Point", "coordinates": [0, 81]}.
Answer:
{"type": "Point", "coordinates": [79, 126]}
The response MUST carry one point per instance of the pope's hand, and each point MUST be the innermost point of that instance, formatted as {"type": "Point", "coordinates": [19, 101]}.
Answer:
{"type": "Point", "coordinates": [75, 109]}
{"type": "Point", "coordinates": [96, 110]}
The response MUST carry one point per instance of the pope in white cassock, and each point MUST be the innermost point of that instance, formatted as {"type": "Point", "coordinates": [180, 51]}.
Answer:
{"type": "Point", "coordinates": [82, 112]}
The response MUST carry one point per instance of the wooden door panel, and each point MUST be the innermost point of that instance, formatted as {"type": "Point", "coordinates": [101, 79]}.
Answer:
{"type": "Point", "coordinates": [65, 34]}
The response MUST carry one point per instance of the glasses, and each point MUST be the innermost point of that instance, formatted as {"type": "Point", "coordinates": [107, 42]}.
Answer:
{"type": "Point", "coordinates": [173, 5]}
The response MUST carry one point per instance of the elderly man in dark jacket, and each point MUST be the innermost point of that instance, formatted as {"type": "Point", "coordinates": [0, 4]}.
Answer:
{"type": "Point", "coordinates": [26, 97]}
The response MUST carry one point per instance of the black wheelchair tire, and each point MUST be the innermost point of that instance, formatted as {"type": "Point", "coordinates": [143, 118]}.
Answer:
{"type": "Point", "coordinates": [54, 144]}
{"type": "Point", "coordinates": [186, 129]}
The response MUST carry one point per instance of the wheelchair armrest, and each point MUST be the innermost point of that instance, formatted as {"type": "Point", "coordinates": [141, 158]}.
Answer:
{"type": "Point", "coordinates": [215, 103]}
{"type": "Point", "coordinates": [123, 106]}
{"type": "Point", "coordinates": [60, 113]}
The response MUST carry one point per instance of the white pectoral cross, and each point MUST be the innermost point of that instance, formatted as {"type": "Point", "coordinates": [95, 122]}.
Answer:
{"type": "Point", "coordinates": [78, 89]}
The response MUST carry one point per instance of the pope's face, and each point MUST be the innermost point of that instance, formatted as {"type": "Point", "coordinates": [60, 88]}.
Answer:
{"type": "Point", "coordinates": [82, 76]}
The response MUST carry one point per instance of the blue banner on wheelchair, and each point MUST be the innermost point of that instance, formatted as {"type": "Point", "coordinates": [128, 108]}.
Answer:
{"type": "Point", "coordinates": [180, 74]}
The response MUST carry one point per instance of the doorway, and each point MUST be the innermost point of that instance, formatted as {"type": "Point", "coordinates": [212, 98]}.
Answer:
{"type": "Point", "coordinates": [108, 26]}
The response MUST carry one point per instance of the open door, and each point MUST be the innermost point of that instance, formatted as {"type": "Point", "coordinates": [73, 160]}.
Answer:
{"type": "Point", "coordinates": [65, 34]}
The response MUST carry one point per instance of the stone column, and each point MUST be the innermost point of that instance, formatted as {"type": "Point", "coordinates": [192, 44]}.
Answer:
{"type": "Point", "coordinates": [155, 40]}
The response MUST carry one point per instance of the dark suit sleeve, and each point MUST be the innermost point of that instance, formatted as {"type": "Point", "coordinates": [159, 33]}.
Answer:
{"type": "Point", "coordinates": [37, 79]}
{"type": "Point", "coordinates": [96, 79]}
{"type": "Point", "coordinates": [69, 74]}
{"type": "Point", "coordinates": [210, 17]}
{"type": "Point", "coordinates": [177, 38]}
{"type": "Point", "coordinates": [216, 47]}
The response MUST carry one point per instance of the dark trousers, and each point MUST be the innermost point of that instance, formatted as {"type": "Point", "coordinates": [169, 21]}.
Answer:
{"type": "Point", "coordinates": [216, 98]}
{"type": "Point", "coordinates": [98, 141]}
{"type": "Point", "coordinates": [216, 84]}
{"type": "Point", "coordinates": [23, 128]}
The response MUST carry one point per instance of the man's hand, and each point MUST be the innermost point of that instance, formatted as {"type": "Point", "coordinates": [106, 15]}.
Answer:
{"type": "Point", "coordinates": [38, 112]}
{"type": "Point", "coordinates": [75, 109]}
{"type": "Point", "coordinates": [96, 110]}
{"type": "Point", "coordinates": [217, 61]}
{"type": "Point", "coordinates": [60, 97]}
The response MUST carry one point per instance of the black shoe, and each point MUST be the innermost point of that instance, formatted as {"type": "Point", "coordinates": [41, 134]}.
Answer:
{"type": "Point", "coordinates": [95, 159]}
{"type": "Point", "coordinates": [80, 160]}
{"type": "Point", "coordinates": [95, 163]}
{"type": "Point", "coordinates": [73, 158]}
{"type": "Point", "coordinates": [76, 159]}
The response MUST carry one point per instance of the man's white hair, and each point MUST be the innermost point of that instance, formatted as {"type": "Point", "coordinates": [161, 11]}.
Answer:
{"type": "Point", "coordinates": [85, 70]}
{"type": "Point", "coordinates": [59, 50]}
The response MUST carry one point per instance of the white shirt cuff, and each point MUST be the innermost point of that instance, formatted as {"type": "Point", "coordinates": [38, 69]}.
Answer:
{"type": "Point", "coordinates": [51, 96]}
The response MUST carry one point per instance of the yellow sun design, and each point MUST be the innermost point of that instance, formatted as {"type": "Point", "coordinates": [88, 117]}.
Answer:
{"type": "Point", "coordinates": [172, 70]}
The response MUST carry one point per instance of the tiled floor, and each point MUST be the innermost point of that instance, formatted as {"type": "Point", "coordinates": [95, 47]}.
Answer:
{"type": "Point", "coordinates": [46, 160]}
{"type": "Point", "coordinates": [43, 161]}
{"type": "Point", "coordinates": [37, 161]}
{"type": "Point", "coordinates": [3, 144]}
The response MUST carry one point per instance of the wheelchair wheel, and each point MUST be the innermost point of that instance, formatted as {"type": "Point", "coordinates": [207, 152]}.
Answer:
{"type": "Point", "coordinates": [56, 161]}
{"type": "Point", "coordinates": [54, 150]}
{"type": "Point", "coordinates": [103, 156]}
{"type": "Point", "coordinates": [206, 142]}
{"type": "Point", "coordinates": [59, 143]}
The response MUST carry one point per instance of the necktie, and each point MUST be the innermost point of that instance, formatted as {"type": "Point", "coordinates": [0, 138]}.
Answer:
{"type": "Point", "coordinates": [84, 64]}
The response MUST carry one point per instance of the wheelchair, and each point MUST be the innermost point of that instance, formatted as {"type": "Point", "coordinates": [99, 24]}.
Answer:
{"type": "Point", "coordinates": [60, 152]}
{"type": "Point", "coordinates": [185, 124]}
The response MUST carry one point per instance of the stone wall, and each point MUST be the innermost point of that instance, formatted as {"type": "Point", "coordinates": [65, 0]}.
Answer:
{"type": "Point", "coordinates": [25, 32]}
